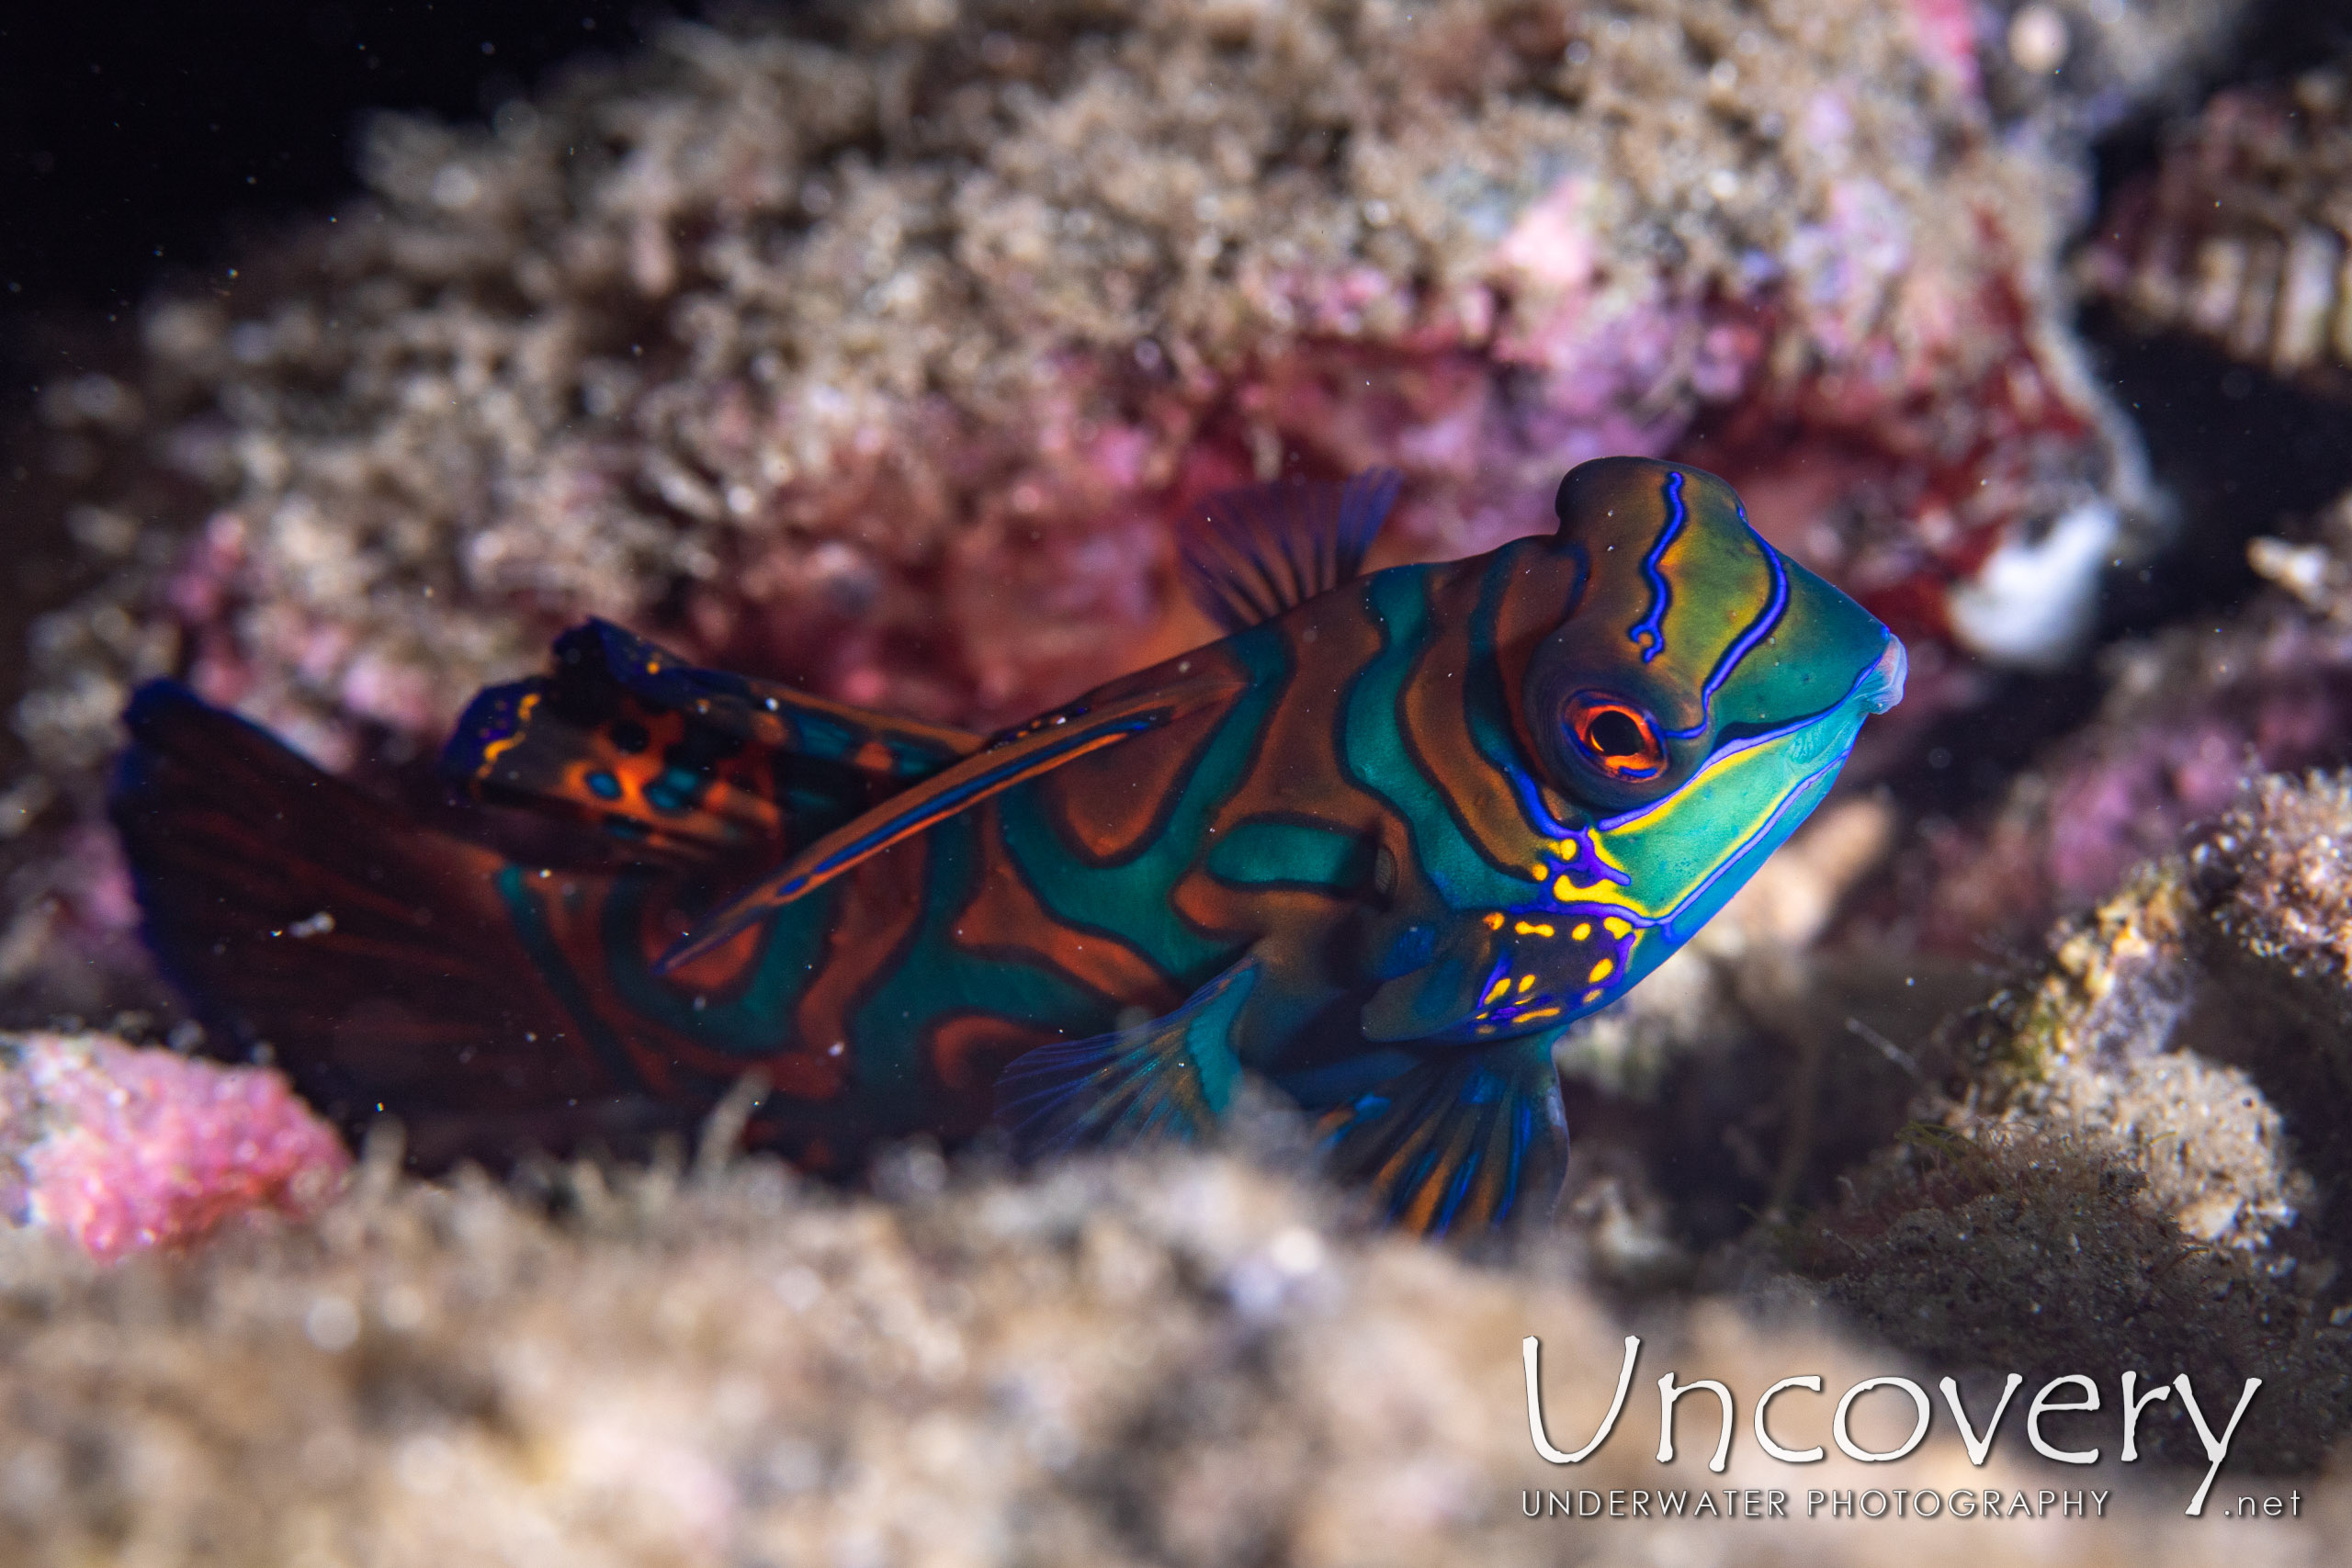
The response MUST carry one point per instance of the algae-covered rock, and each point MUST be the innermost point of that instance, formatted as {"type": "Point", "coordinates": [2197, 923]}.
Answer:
{"type": "Point", "coordinates": [1186, 1360]}
{"type": "Point", "coordinates": [2137, 1156]}
{"type": "Point", "coordinates": [2274, 877]}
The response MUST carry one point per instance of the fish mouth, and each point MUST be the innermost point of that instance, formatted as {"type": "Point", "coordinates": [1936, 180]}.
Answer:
{"type": "Point", "coordinates": [1881, 688]}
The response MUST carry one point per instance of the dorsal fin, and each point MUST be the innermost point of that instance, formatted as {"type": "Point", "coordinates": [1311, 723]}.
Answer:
{"type": "Point", "coordinates": [1038, 747]}
{"type": "Point", "coordinates": [677, 763]}
{"type": "Point", "coordinates": [1252, 552]}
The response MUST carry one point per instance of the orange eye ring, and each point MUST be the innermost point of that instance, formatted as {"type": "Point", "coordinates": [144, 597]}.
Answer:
{"type": "Point", "coordinates": [1615, 736]}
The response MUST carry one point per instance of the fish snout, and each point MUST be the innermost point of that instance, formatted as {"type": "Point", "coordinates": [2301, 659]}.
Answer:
{"type": "Point", "coordinates": [1882, 687]}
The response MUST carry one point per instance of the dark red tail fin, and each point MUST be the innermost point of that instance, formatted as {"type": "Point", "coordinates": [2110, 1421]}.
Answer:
{"type": "Point", "coordinates": [372, 953]}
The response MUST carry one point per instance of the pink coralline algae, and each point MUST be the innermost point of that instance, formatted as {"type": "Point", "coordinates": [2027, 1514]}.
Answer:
{"type": "Point", "coordinates": [120, 1149]}
{"type": "Point", "coordinates": [2191, 717]}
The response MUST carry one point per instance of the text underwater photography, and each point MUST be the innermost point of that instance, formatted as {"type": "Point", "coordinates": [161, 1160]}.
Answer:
{"type": "Point", "coordinates": [2082, 1395]}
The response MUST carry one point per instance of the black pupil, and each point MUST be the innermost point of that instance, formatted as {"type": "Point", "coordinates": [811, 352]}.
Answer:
{"type": "Point", "coordinates": [1615, 734]}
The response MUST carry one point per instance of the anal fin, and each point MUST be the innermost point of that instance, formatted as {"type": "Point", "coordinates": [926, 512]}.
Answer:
{"type": "Point", "coordinates": [1455, 1141]}
{"type": "Point", "coordinates": [1172, 1077]}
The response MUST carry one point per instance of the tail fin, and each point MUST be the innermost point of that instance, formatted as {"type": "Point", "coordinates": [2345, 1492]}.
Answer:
{"type": "Point", "coordinates": [372, 953]}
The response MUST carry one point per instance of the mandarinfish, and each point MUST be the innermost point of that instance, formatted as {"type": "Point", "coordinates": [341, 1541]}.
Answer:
{"type": "Point", "coordinates": [1379, 845]}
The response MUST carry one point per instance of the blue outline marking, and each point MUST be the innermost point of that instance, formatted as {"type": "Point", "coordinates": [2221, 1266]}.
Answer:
{"type": "Point", "coordinates": [1529, 790]}
{"type": "Point", "coordinates": [1745, 743]}
{"type": "Point", "coordinates": [1521, 1129]}
{"type": "Point", "coordinates": [1458, 1190]}
{"type": "Point", "coordinates": [1758, 630]}
{"type": "Point", "coordinates": [1588, 849]}
{"type": "Point", "coordinates": [1652, 625]}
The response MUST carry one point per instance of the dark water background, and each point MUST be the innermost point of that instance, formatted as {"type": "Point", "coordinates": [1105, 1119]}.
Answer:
{"type": "Point", "coordinates": [146, 142]}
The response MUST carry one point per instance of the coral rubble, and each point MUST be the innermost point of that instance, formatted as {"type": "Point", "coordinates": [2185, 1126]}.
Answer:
{"type": "Point", "coordinates": [2139, 1149]}
{"type": "Point", "coordinates": [2239, 235]}
{"type": "Point", "coordinates": [1185, 1360]}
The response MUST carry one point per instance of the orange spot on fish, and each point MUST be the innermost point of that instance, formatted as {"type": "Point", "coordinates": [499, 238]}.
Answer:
{"type": "Point", "coordinates": [492, 752]}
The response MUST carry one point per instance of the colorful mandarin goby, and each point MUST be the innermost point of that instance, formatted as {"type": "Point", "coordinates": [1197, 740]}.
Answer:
{"type": "Point", "coordinates": [1379, 845]}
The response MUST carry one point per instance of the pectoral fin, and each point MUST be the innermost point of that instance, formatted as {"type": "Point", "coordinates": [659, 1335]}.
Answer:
{"type": "Point", "coordinates": [1171, 1077]}
{"type": "Point", "coordinates": [1453, 1142]}
{"type": "Point", "coordinates": [1038, 748]}
{"type": "Point", "coordinates": [1438, 996]}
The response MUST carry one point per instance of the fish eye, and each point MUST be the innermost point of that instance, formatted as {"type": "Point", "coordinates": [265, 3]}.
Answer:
{"type": "Point", "coordinates": [1615, 736]}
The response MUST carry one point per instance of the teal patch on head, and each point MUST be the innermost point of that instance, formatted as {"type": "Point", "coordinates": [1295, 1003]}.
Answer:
{"type": "Point", "coordinates": [1811, 662]}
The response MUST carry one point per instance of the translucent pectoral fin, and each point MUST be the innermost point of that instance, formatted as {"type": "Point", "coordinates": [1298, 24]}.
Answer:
{"type": "Point", "coordinates": [1172, 1077]}
{"type": "Point", "coordinates": [1459, 1141]}
{"type": "Point", "coordinates": [1437, 997]}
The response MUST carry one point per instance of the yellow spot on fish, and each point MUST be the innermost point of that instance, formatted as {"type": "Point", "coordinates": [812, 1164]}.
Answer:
{"type": "Point", "coordinates": [1526, 984]}
{"type": "Point", "coordinates": [1539, 872]}
{"type": "Point", "coordinates": [1600, 971]}
{"type": "Point", "coordinates": [1564, 888]}
{"type": "Point", "coordinates": [1592, 996]}
{"type": "Point", "coordinates": [1530, 928]}
{"type": "Point", "coordinates": [1539, 1012]}
{"type": "Point", "coordinates": [1584, 929]}
{"type": "Point", "coordinates": [1496, 989]}
{"type": "Point", "coordinates": [1615, 927]}
{"type": "Point", "coordinates": [1495, 921]}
